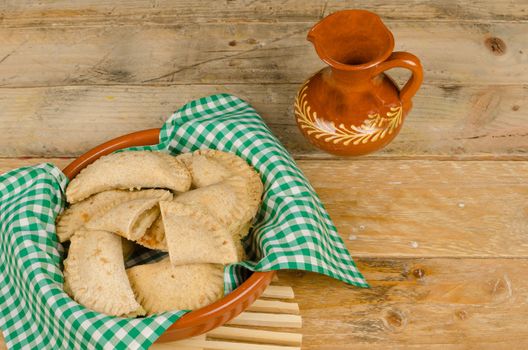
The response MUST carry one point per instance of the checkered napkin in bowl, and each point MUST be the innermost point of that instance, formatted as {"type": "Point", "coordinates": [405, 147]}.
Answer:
{"type": "Point", "coordinates": [292, 230]}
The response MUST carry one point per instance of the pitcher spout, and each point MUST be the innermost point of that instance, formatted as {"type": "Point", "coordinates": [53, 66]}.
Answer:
{"type": "Point", "coordinates": [311, 36]}
{"type": "Point", "coordinates": [352, 40]}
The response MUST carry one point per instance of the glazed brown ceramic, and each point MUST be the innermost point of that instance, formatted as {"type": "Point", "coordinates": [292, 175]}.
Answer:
{"type": "Point", "coordinates": [352, 107]}
{"type": "Point", "coordinates": [198, 321]}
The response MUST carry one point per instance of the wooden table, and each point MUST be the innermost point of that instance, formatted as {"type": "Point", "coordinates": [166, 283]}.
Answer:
{"type": "Point", "coordinates": [438, 221]}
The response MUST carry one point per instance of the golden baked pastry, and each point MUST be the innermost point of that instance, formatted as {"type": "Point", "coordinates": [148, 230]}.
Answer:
{"type": "Point", "coordinates": [129, 170]}
{"type": "Point", "coordinates": [194, 237]}
{"type": "Point", "coordinates": [230, 202]}
{"type": "Point", "coordinates": [129, 219]}
{"type": "Point", "coordinates": [78, 214]}
{"type": "Point", "coordinates": [208, 167]}
{"type": "Point", "coordinates": [162, 287]}
{"type": "Point", "coordinates": [95, 276]}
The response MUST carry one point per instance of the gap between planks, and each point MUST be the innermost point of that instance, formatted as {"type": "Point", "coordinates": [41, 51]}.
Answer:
{"type": "Point", "coordinates": [10, 163]}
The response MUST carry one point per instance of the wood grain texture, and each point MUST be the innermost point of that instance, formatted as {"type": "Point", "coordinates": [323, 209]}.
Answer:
{"type": "Point", "coordinates": [91, 12]}
{"type": "Point", "coordinates": [417, 304]}
{"type": "Point", "coordinates": [447, 120]}
{"type": "Point", "coordinates": [411, 208]}
{"type": "Point", "coordinates": [258, 330]}
{"type": "Point", "coordinates": [223, 345]}
{"type": "Point", "coordinates": [258, 319]}
{"type": "Point", "coordinates": [223, 53]}
{"type": "Point", "coordinates": [274, 306]}
{"type": "Point", "coordinates": [7, 164]}
{"type": "Point", "coordinates": [256, 335]}
{"type": "Point", "coordinates": [426, 208]}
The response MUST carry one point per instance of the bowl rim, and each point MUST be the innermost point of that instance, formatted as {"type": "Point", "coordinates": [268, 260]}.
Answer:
{"type": "Point", "coordinates": [208, 317]}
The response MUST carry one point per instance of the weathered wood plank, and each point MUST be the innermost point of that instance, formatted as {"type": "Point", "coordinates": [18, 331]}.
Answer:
{"type": "Point", "coordinates": [7, 164]}
{"type": "Point", "coordinates": [447, 120]}
{"type": "Point", "coordinates": [481, 10]}
{"type": "Point", "coordinates": [417, 304]}
{"type": "Point", "coordinates": [426, 208]}
{"type": "Point", "coordinates": [32, 13]}
{"type": "Point", "coordinates": [417, 208]}
{"type": "Point", "coordinates": [221, 53]}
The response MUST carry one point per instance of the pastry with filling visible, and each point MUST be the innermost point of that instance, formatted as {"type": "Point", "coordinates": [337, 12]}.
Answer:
{"type": "Point", "coordinates": [129, 219]}
{"type": "Point", "coordinates": [78, 214]}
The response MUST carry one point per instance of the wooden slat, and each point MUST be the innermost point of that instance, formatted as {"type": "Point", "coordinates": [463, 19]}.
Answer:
{"type": "Point", "coordinates": [447, 120]}
{"type": "Point", "coordinates": [274, 306]}
{"type": "Point", "coordinates": [2, 341]}
{"type": "Point", "coordinates": [92, 12]}
{"type": "Point", "coordinates": [278, 292]}
{"type": "Point", "coordinates": [87, 116]}
{"type": "Point", "coordinates": [459, 11]}
{"type": "Point", "coordinates": [222, 53]}
{"type": "Point", "coordinates": [417, 304]}
{"type": "Point", "coordinates": [415, 208]}
{"type": "Point", "coordinates": [267, 320]}
{"type": "Point", "coordinates": [177, 346]}
{"type": "Point", "coordinates": [256, 335]}
{"type": "Point", "coordinates": [224, 345]}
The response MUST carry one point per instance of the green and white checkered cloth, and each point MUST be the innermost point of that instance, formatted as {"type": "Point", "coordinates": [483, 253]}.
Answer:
{"type": "Point", "coordinates": [292, 231]}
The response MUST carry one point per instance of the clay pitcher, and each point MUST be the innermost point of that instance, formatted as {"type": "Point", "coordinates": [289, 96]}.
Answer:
{"type": "Point", "coordinates": [352, 107]}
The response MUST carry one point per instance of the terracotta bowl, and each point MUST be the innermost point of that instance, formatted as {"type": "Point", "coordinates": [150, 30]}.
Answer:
{"type": "Point", "coordinates": [198, 321]}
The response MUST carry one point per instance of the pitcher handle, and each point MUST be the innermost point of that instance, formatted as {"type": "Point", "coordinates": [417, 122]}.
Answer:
{"type": "Point", "coordinates": [408, 61]}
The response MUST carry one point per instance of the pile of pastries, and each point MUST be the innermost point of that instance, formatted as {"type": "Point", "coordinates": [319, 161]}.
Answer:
{"type": "Point", "coordinates": [195, 206]}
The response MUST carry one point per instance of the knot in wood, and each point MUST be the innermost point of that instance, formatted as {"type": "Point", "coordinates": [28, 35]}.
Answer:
{"type": "Point", "coordinates": [395, 319]}
{"type": "Point", "coordinates": [496, 45]}
{"type": "Point", "coordinates": [461, 314]}
{"type": "Point", "coordinates": [418, 273]}
{"type": "Point", "coordinates": [299, 273]}
{"type": "Point", "coordinates": [501, 286]}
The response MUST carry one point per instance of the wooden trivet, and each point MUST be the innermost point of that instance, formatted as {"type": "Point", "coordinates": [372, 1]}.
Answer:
{"type": "Point", "coordinates": [244, 332]}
